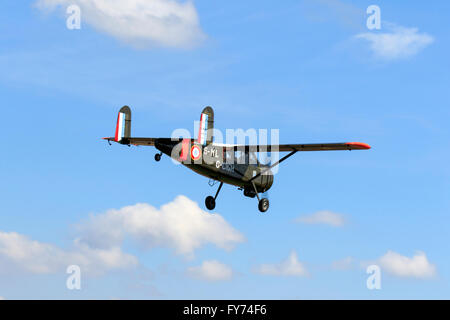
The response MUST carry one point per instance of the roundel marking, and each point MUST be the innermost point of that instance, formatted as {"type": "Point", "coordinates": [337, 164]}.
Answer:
{"type": "Point", "coordinates": [196, 153]}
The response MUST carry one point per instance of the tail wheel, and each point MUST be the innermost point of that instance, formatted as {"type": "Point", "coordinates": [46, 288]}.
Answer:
{"type": "Point", "coordinates": [210, 203]}
{"type": "Point", "coordinates": [263, 205]}
{"type": "Point", "coordinates": [157, 156]}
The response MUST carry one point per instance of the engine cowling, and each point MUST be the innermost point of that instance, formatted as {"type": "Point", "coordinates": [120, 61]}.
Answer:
{"type": "Point", "coordinates": [265, 182]}
{"type": "Point", "coordinates": [262, 183]}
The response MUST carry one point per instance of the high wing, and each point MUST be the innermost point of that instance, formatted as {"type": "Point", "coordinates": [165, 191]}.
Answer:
{"type": "Point", "coordinates": [298, 147]}
{"type": "Point", "coordinates": [136, 141]}
{"type": "Point", "coordinates": [294, 148]}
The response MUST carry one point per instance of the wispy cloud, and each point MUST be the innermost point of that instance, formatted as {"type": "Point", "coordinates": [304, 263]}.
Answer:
{"type": "Point", "coordinates": [391, 43]}
{"type": "Point", "coordinates": [416, 267]}
{"type": "Point", "coordinates": [290, 267]}
{"type": "Point", "coordinates": [323, 217]}
{"type": "Point", "coordinates": [211, 270]}
{"type": "Point", "coordinates": [141, 23]}
{"type": "Point", "coordinates": [398, 42]}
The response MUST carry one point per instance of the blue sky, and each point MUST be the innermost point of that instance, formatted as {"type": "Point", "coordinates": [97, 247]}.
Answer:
{"type": "Point", "coordinates": [299, 67]}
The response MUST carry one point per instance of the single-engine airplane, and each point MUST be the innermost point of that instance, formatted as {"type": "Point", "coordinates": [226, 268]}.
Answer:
{"type": "Point", "coordinates": [218, 161]}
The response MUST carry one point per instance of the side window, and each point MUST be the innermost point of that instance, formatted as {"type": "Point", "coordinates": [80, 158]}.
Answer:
{"type": "Point", "coordinates": [253, 158]}
{"type": "Point", "coordinates": [229, 156]}
{"type": "Point", "coordinates": [241, 157]}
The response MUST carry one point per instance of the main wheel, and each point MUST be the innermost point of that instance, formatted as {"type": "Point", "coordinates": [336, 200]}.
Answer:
{"type": "Point", "coordinates": [263, 205]}
{"type": "Point", "coordinates": [210, 203]}
{"type": "Point", "coordinates": [157, 156]}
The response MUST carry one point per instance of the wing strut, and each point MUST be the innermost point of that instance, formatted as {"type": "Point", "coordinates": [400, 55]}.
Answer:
{"type": "Point", "coordinates": [275, 164]}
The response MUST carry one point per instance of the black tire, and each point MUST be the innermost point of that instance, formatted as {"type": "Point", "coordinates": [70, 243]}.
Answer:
{"type": "Point", "coordinates": [263, 205]}
{"type": "Point", "coordinates": [210, 203]}
{"type": "Point", "coordinates": [157, 157]}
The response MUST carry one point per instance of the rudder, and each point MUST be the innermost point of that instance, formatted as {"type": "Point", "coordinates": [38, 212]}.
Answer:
{"type": "Point", "coordinates": [123, 127]}
{"type": "Point", "coordinates": [206, 128]}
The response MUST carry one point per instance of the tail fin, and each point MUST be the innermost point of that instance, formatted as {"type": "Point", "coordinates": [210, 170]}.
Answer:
{"type": "Point", "coordinates": [123, 127]}
{"type": "Point", "coordinates": [206, 128]}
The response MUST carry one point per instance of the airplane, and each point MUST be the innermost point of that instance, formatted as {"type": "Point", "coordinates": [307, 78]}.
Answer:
{"type": "Point", "coordinates": [232, 164]}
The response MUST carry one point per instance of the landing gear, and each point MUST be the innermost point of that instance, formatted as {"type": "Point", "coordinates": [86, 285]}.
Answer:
{"type": "Point", "coordinates": [158, 156]}
{"type": "Point", "coordinates": [210, 202]}
{"type": "Point", "coordinates": [263, 205]}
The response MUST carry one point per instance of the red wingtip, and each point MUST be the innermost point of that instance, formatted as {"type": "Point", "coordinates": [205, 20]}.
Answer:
{"type": "Point", "coordinates": [359, 145]}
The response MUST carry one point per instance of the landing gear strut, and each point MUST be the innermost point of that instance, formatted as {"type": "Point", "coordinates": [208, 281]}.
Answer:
{"type": "Point", "coordinates": [263, 203]}
{"type": "Point", "coordinates": [210, 201]}
{"type": "Point", "coordinates": [158, 156]}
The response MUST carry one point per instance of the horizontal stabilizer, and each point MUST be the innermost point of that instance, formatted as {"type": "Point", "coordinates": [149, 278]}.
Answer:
{"type": "Point", "coordinates": [134, 141]}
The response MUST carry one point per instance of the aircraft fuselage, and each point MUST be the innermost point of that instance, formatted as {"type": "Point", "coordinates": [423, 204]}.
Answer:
{"type": "Point", "coordinates": [214, 163]}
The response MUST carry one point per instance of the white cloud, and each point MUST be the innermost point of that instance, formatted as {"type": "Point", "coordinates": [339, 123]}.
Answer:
{"type": "Point", "coordinates": [1, 298]}
{"type": "Point", "coordinates": [289, 267]}
{"type": "Point", "coordinates": [323, 217]}
{"type": "Point", "coordinates": [398, 42]}
{"type": "Point", "coordinates": [141, 23]}
{"type": "Point", "coordinates": [17, 252]}
{"type": "Point", "coordinates": [181, 225]}
{"type": "Point", "coordinates": [417, 267]}
{"type": "Point", "coordinates": [211, 270]}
